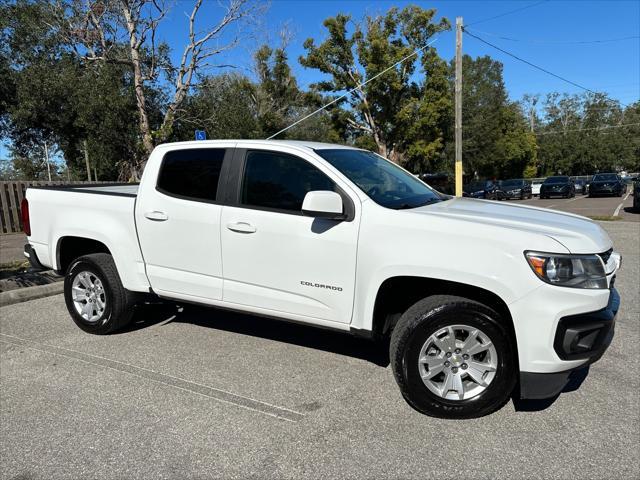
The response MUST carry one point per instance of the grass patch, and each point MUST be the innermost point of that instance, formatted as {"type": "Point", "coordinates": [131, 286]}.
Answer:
{"type": "Point", "coordinates": [605, 218]}
{"type": "Point", "coordinates": [15, 265]}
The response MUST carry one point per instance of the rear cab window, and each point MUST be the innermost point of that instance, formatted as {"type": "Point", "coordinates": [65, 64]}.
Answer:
{"type": "Point", "coordinates": [191, 174]}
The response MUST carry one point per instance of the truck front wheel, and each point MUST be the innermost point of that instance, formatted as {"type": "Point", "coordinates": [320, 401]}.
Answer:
{"type": "Point", "coordinates": [95, 297]}
{"type": "Point", "coordinates": [452, 358]}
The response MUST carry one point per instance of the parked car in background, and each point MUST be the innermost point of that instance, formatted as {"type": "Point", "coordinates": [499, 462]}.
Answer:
{"type": "Point", "coordinates": [636, 194]}
{"type": "Point", "coordinates": [442, 182]}
{"type": "Point", "coordinates": [535, 187]}
{"type": "Point", "coordinates": [607, 184]}
{"type": "Point", "coordinates": [580, 186]}
{"type": "Point", "coordinates": [558, 186]}
{"type": "Point", "coordinates": [516, 188]}
{"type": "Point", "coordinates": [486, 189]}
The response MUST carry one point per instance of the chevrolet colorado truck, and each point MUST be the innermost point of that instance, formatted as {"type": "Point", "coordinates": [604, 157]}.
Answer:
{"type": "Point", "coordinates": [478, 300]}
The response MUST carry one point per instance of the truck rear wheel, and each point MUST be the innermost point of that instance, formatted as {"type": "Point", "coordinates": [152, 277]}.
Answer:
{"type": "Point", "coordinates": [452, 358]}
{"type": "Point", "coordinates": [95, 297]}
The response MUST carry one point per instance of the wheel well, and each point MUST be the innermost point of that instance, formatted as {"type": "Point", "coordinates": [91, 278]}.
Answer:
{"type": "Point", "coordinates": [397, 294]}
{"type": "Point", "coordinates": [70, 248]}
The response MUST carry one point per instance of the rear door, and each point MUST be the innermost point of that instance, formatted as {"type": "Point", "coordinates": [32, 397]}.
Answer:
{"type": "Point", "coordinates": [276, 259]}
{"type": "Point", "coordinates": [178, 222]}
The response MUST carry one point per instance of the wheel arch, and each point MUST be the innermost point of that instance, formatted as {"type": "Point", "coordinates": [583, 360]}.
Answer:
{"type": "Point", "coordinates": [70, 247]}
{"type": "Point", "coordinates": [396, 294]}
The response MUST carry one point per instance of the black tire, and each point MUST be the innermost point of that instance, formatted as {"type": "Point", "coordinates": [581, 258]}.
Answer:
{"type": "Point", "coordinates": [425, 318]}
{"type": "Point", "coordinates": [118, 308]}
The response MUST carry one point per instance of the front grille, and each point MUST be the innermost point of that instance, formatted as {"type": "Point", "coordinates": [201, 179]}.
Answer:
{"type": "Point", "coordinates": [605, 256]}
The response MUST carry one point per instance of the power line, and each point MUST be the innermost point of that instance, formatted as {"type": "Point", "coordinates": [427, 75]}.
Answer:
{"type": "Point", "coordinates": [538, 67]}
{"type": "Point", "coordinates": [349, 92]}
{"type": "Point", "coordinates": [530, 64]}
{"type": "Point", "coordinates": [553, 42]}
{"type": "Point", "coordinates": [509, 12]}
{"type": "Point", "coordinates": [606, 127]}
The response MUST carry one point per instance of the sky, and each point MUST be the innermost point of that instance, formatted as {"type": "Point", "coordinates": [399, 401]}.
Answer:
{"type": "Point", "coordinates": [540, 32]}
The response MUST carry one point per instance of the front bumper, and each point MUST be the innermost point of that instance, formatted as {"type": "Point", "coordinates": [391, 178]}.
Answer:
{"type": "Point", "coordinates": [584, 337]}
{"type": "Point", "coordinates": [554, 193]}
{"type": "Point", "coordinates": [604, 191]}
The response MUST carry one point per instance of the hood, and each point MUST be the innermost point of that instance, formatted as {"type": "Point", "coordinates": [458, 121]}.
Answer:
{"type": "Point", "coordinates": [578, 234]}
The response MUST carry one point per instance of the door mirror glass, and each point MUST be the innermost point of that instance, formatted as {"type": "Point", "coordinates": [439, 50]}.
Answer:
{"type": "Point", "coordinates": [323, 204]}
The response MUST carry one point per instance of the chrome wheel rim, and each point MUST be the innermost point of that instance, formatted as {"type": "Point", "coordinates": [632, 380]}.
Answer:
{"type": "Point", "coordinates": [89, 297]}
{"type": "Point", "coordinates": [458, 362]}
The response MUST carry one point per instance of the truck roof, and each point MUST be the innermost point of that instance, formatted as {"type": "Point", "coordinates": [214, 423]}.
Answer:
{"type": "Point", "coordinates": [291, 143]}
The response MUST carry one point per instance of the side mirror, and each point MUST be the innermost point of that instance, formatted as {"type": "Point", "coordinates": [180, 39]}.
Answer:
{"type": "Point", "coordinates": [323, 204]}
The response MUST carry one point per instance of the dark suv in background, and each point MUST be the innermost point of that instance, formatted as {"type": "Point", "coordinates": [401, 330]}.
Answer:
{"type": "Point", "coordinates": [559, 186]}
{"type": "Point", "coordinates": [607, 184]}
{"type": "Point", "coordinates": [516, 188]}
{"type": "Point", "coordinates": [484, 189]}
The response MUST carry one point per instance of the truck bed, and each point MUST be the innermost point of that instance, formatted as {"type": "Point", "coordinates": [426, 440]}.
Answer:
{"type": "Point", "coordinates": [101, 213]}
{"type": "Point", "coordinates": [121, 189]}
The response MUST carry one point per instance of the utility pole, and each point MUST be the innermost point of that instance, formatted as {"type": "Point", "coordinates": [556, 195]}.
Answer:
{"type": "Point", "coordinates": [458, 106]}
{"type": "Point", "coordinates": [86, 160]}
{"type": "Point", "coordinates": [532, 113]}
{"type": "Point", "coordinates": [46, 157]}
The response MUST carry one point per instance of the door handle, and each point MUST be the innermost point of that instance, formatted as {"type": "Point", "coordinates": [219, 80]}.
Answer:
{"type": "Point", "coordinates": [157, 216]}
{"type": "Point", "coordinates": [241, 227]}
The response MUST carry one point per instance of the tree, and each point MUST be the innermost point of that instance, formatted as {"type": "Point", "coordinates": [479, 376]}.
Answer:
{"type": "Point", "coordinates": [584, 134]}
{"type": "Point", "coordinates": [234, 106]}
{"type": "Point", "coordinates": [495, 140]}
{"type": "Point", "coordinates": [279, 102]}
{"type": "Point", "coordinates": [398, 116]}
{"type": "Point", "coordinates": [93, 29]}
{"type": "Point", "coordinates": [222, 105]}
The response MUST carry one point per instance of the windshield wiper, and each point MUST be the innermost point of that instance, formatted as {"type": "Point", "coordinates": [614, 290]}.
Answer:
{"type": "Point", "coordinates": [406, 206]}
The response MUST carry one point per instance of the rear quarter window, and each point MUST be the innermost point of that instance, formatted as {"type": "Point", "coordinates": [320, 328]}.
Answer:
{"type": "Point", "coordinates": [191, 174]}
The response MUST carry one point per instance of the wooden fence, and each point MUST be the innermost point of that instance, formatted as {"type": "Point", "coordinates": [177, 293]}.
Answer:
{"type": "Point", "coordinates": [11, 195]}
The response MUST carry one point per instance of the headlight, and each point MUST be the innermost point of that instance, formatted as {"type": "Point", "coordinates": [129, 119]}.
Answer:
{"type": "Point", "coordinates": [576, 271]}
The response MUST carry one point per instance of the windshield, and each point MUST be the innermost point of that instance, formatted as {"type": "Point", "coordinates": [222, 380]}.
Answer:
{"type": "Point", "coordinates": [557, 180]}
{"type": "Point", "coordinates": [385, 183]}
{"type": "Point", "coordinates": [511, 183]}
{"type": "Point", "coordinates": [609, 177]}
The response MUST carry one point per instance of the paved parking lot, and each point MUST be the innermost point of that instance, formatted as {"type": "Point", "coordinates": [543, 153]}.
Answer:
{"type": "Point", "coordinates": [583, 205]}
{"type": "Point", "coordinates": [206, 393]}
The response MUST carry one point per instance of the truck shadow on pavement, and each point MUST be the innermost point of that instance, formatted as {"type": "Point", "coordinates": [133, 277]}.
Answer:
{"type": "Point", "coordinates": [575, 380]}
{"type": "Point", "coordinates": [262, 327]}
{"type": "Point", "coordinates": [376, 352]}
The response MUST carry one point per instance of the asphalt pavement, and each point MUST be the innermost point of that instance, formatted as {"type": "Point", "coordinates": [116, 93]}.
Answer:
{"type": "Point", "coordinates": [203, 393]}
{"type": "Point", "coordinates": [591, 207]}
{"type": "Point", "coordinates": [12, 247]}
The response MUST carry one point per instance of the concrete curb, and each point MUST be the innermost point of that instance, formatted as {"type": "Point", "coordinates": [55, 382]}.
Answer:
{"type": "Point", "coordinates": [30, 293]}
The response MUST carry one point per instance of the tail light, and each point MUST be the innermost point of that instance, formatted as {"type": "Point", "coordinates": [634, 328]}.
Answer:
{"type": "Point", "coordinates": [24, 210]}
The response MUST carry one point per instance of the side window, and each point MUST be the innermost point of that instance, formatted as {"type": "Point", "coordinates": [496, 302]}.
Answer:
{"type": "Point", "coordinates": [280, 181]}
{"type": "Point", "coordinates": [192, 174]}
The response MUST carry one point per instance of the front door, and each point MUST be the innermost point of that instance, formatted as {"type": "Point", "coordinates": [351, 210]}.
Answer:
{"type": "Point", "coordinates": [275, 258]}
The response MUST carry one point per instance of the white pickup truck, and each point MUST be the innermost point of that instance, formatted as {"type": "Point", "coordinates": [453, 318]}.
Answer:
{"type": "Point", "coordinates": [479, 300]}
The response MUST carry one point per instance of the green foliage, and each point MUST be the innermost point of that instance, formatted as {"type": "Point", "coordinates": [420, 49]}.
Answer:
{"type": "Point", "coordinates": [58, 100]}
{"type": "Point", "coordinates": [49, 94]}
{"type": "Point", "coordinates": [575, 137]}
{"type": "Point", "coordinates": [496, 142]}
{"type": "Point", "coordinates": [404, 119]}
